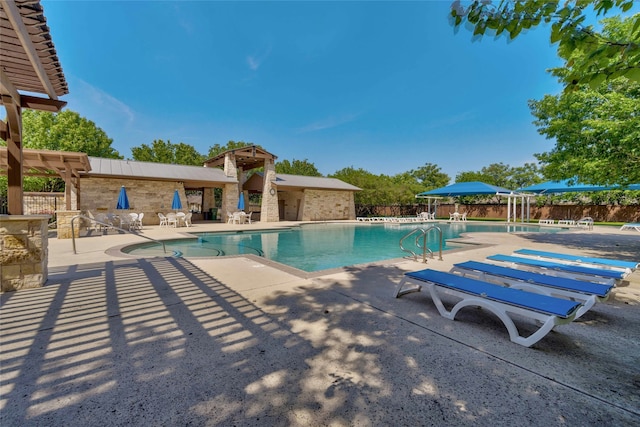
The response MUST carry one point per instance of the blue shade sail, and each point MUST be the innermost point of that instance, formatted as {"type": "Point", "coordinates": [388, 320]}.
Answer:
{"type": "Point", "coordinates": [465, 189]}
{"type": "Point", "coordinates": [566, 186]}
{"type": "Point", "coordinates": [123, 200]}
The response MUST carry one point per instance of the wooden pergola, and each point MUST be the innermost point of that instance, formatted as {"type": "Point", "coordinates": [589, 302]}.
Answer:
{"type": "Point", "coordinates": [28, 63]}
{"type": "Point", "coordinates": [67, 165]}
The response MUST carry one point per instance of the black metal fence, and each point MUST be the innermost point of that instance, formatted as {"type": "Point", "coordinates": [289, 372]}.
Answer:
{"type": "Point", "coordinates": [4, 205]}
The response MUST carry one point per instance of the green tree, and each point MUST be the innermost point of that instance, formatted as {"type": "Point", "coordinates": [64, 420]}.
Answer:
{"type": "Point", "coordinates": [524, 176]}
{"type": "Point", "coordinates": [297, 167]}
{"type": "Point", "coordinates": [167, 152]}
{"type": "Point", "coordinates": [64, 131]}
{"type": "Point", "coordinates": [374, 187]}
{"type": "Point", "coordinates": [604, 56]}
{"type": "Point", "coordinates": [596, 129]}
{"type": "Point", "coordinates": [430, 176]}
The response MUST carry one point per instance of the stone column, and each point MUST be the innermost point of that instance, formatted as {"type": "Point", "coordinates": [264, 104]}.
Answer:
{"type": "Point", "coordinates": [64, 223]}
{"type": "Point", "coordinates": [230, 192]}
{"type": "Point", "coordinates": [23, 251]}
{"type": "Point", "coordinates": [269, 208]}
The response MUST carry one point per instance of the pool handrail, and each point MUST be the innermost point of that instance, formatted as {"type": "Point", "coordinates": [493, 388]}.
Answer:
{"type": "Point", "coordinates": [73, 234]}
{"type": "Point", "coordinates": [422, 234]}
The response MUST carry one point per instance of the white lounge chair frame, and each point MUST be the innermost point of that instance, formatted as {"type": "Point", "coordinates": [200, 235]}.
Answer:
{"type": "Point", "coordinates": [502, 309]}
{"type": "Point", "coordinates": [569, 259]}
{"type": "Point", "coordinates": [587, 300]}
{"type": "Point", "coordinates": [631, 226]}
{"type": "Point", "coordinates": [514, 262]}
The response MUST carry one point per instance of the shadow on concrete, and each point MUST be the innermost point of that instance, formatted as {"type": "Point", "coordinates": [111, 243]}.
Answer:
{"type": "Point", "coordinates": [160, 342]}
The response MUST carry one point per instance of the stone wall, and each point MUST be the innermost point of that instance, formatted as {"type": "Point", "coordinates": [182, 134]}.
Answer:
{"type": "Point", "coordinates": [100, 195]}
{"type": "Point", "coordinates": [324, 205]}
{"type": "Point", "coordinates": [64, 224]}
{"type": "Point", "coordinates": [292, 205]}
{"type": "Point", "coordinates": [601, 213]}
{"type": "Point", "coordinates": [23, 251]}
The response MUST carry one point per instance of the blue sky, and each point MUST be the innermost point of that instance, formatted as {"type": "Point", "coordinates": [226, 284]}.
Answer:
{"type": "Point", "coordinates": [383, 86]}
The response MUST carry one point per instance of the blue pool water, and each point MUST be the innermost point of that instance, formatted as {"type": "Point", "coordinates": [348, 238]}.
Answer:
{"type": "Point", "coordinates": [315, 247]}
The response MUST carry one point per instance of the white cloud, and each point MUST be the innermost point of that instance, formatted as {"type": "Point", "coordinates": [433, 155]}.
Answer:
{"type": "Point", "coordinates": [95, 99]}
{"type": "Point", "coordinates": [328, 123]}
{"type": "Point", "coordinates": [255, 61]}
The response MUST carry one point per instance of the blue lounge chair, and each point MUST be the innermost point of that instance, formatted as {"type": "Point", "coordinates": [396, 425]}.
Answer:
{"type": "Point", "coordinates": [499, 300]}
{"type": "Point", "coordinates": [563, 270]}
{"type": "Point", "coordinates": [615, 264]}
{"type": "Point", "coordinates": [587, 293]}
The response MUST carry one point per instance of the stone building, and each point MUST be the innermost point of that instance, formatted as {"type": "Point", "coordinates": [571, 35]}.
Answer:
{"type": "Point", "coordinates": [150, 188]}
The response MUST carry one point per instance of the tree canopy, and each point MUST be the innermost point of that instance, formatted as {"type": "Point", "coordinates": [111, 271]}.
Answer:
{"type": "Point", "coordinates": [167, 152]}
{"type": "Point", "coordinates": [597, 130]}
{"type": "Point", "coordinates": [603, 55]}
{"type": "Point", "coordinates": [65, 131]}
{"type": "Point", "coordinates": [297, 167]}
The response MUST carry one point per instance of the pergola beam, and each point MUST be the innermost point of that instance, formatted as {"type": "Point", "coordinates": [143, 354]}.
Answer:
{"type": "Point", "coordinates": [13, 14]}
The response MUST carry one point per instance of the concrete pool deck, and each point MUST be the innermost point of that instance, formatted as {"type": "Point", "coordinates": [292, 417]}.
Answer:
{"type": "Point", "coordinates": [117, 341]}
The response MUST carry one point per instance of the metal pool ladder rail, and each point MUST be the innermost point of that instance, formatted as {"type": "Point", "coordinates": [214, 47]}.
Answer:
{"type": "Point", "coordinates": [421, 233]}
{"type": "Point", "coordinates": [73, 234]}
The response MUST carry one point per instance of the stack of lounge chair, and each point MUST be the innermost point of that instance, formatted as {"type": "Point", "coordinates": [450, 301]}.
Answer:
{"type": "Point", "coordinates": [547, 287]}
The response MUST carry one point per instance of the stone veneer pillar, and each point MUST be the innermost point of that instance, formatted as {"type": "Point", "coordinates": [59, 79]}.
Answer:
{"type": "Point", "coordinates": [23, 251]}
{"type": "Point", "coordinates": [230, 192]}
{"type": "Point", "coordinates": [269, 208]}
{"type": "Point", "coordinates": [64, 223]}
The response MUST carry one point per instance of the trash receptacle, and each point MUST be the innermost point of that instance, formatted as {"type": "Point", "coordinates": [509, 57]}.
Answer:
{"type": "Point", "coordinates": [214, 213]}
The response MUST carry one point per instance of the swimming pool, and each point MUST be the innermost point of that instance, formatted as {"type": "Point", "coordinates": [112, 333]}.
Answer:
{"type": "Point", "coordinates": [315, 247]}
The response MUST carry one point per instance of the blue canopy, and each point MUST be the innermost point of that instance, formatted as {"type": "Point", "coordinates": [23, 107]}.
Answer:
{"type": "Point", "coordinates": [241, 202]}
{"type": "Point", "coordinates": [564, 187]}
{"type": "Point", "coordinates": [123, 200]}
{"type": "Point", "coordinates": [176, 203]}
{"type": "Point", "coordinates": [465, 189]}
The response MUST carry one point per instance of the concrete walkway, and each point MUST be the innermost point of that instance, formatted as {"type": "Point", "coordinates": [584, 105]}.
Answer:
{"type": "Point", "coordinates": [116, 341]}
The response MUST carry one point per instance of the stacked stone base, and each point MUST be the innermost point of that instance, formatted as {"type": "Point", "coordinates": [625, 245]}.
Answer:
{"type": "Point", "coordinates": [23, 251]}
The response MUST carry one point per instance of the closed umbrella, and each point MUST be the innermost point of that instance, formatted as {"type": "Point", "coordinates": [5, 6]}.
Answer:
{"type": "Point", "coordinates": [241, 202]}
{"type": "Point", "coordinates": [176, 204]}
{"type": "Point", "coordinates": [123, 200]}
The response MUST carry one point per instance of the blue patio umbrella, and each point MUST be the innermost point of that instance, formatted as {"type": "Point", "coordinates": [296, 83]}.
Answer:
{"type": "Point", "coordinates": [123, 200]}
{"type": "Point", "coordinates": [176, 203]}
{"type": "Point", "coordinates": [241, 202]}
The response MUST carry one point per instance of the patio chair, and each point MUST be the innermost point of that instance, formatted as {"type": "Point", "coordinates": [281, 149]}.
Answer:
{"type": "Point", "coordinates": [248, 217]}
{"type": "Point", "coordinates": [590, 274]}
{"type": "Point", "coordinates": [187, 219]}
{"type": "Point", "coordinates": [229, 217]}
{"type": "Point", "coordinates": [172, 218]}
{"type": "Point", "coordinates": [139, 221]}
{"type": "Point", "coordinates": [163, 220]}
{"type": "Point", "coordinates": [606, 263]}
{"type": "Point", "coordinates": [463, 217]}
{"type": "Point", "coordinates": [587, 293]}
{"type": "Point", "coordinates": [499, 300]}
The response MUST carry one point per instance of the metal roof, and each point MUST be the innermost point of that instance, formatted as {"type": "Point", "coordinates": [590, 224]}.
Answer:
{"type": "Point", "coordinates": [192, 175]}
{"type": "Point", "coordinates": [29, 59]}
{"type": "Point", "coordinates": [299, 181]}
